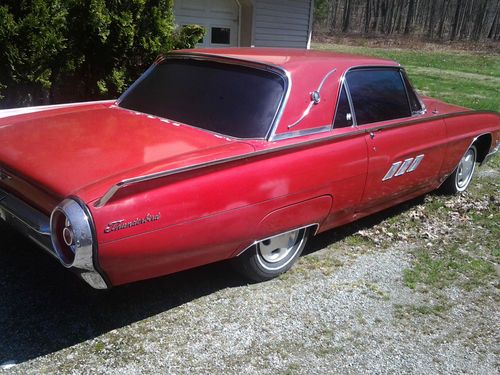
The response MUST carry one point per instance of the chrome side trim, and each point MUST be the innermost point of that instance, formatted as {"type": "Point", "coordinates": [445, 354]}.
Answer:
{"type": "Point", "coordinates": [365, 129]}
{"type": "Point", "coordinates": [130, 181]}
{"type": "Point", "coordinates": [390, 173]}
{"type": "Point", "coordinates": [404, 167]}
{"type": "Point", "coordinates": [415, 163]}
{"type": "Point", "coordinates": [255, 242]}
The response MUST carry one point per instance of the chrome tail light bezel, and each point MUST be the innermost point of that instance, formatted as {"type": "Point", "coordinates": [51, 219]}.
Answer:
{"type": "Point", "coordinates": [80, 254]}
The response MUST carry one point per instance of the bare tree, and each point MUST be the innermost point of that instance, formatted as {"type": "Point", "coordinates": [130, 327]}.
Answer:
{"type": "Point", "coordinates": [432, 19]}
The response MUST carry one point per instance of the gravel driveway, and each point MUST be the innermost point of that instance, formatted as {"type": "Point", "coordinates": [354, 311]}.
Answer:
{"type": "Point", "coordinates": [344, 308]}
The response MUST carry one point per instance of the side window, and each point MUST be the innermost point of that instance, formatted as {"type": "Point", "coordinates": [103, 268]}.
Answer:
{"type": "Point", "coordinates": [377, 95]}
{"type": "Point", "coordinates": [414, 102]}
{"type": "Point", "coordinates": [343, 116]}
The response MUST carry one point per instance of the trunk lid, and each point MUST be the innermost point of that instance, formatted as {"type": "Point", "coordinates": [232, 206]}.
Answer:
{"type": "Point", "coordinates": [86, 150]}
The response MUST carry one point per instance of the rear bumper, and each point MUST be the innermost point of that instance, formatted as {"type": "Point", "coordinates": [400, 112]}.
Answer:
{"type": "Point", "coordinates": [36, 226]}
{"type": "Point", "coordinates": [30, 222]}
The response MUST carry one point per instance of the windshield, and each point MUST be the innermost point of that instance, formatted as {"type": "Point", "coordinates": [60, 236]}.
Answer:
{"type": "Point", "coordinates": [229, 99]}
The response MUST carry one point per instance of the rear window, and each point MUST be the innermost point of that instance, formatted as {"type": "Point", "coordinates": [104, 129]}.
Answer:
{"type": "Point", "coordinates": [229, 99]}
{"type": "Point", "coordinates": [377, 95]}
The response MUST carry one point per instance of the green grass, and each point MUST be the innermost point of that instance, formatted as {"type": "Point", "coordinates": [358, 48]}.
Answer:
{"type": "Point", "coordinates": [463, 78]}
{"type": "Point", "coordinates": [450, 267]}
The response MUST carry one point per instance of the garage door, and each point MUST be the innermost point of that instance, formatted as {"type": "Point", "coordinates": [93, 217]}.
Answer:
{"type": "Point", "coordinates": [220, 18]}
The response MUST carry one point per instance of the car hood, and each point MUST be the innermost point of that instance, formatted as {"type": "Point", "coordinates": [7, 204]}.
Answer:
{"type": "Point", "coordinates": [84, 151]}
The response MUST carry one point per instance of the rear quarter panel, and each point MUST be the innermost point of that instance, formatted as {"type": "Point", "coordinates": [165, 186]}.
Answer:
{"type": "Point", "coordinates": [462, 129]}
{"type": "Point", "coordinates": [211, 214]}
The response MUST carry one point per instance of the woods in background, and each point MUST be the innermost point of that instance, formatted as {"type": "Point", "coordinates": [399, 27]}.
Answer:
{"type": "Point", "coordinates": [433, 19]}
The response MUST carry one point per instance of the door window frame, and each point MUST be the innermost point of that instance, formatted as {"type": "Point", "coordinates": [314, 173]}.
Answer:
{"type": "Point", "coordinates": [406, 84]}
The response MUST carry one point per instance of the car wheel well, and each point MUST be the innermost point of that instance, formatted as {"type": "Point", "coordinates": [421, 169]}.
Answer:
{"type": "Point", "coordinates": [312, 228]}
{"type": "Point", "coordinates": [483, 144]}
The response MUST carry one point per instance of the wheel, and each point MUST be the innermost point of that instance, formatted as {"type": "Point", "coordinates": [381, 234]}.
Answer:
{"type": "Point", "coordinates": [273, 256]}
{"type": "Point", "coordinates": [460, 179]}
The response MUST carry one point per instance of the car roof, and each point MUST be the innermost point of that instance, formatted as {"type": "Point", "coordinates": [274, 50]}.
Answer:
{"type": "Point", "coordinates": [307, 71]}
{"type": "Point", "coordinates": [290, 58]}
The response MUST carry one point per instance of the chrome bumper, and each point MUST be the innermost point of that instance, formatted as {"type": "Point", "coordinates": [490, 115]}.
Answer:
{"type": "Point", "coordinates": [32, 223]}
{"type": "Point", "coordinates": [36, 226]}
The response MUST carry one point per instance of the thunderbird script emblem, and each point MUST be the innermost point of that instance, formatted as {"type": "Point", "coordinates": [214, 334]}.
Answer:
{"type": "Point", "coordinates": [122, 224]}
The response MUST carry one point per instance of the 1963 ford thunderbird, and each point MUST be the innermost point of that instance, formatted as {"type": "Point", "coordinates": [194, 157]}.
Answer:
{"type": "Point", "coordinates": [231, 153]}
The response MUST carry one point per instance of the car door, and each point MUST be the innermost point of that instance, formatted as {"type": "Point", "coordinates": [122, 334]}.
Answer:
{"type": "Point", "coordinates": [405, 147]}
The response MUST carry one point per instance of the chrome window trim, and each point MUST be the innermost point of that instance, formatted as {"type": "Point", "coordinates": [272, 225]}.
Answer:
{"type": "Point", "coordinates": [406, 91]}
{"type": "Point", "coordinates": [343, 84]}
{"type": "Point", "coordinates": [356, 131]}
{"type": "Point", "coordinates": [377, 67]}
{"type": "Point", "coordinates": [405, 78]}
{"type": "Point", "coordinates": [302, 132]}
{"type": "Point", "coordinates": [280, 71]}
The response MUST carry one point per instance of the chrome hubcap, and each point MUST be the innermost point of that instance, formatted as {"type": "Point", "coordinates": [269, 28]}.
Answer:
{"type": "Point", "coordinates": [277, 248]}
{"type": "Point", "coordinates": [465, 169]}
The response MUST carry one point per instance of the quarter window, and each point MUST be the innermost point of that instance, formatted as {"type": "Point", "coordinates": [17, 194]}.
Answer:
{"type": "Point", "coordinates": [343, 117]}
{"type": "Point", "coordinates": [415, 105]}
{"type": "Point", "coordinates": [377, 95]}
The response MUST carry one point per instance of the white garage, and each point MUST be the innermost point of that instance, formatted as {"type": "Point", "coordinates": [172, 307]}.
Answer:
{"type": "Point", "coordinates": [260, 23]}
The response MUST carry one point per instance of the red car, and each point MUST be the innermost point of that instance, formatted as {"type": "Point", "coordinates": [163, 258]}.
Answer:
{"type": "Point", "coordinates": [230, 153]}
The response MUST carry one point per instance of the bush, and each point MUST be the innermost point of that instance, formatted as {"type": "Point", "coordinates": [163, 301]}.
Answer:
{"type": "Point", "coordinates": [69, 50]}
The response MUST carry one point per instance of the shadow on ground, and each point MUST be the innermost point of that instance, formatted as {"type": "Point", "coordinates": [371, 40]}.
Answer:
{"type": "Point", "coordinates": [45, 308]}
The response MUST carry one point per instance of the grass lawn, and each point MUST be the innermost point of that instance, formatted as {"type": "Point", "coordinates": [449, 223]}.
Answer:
{"type": "Point", "coordinates": [466, 257]}
{"type": "Point", "coordinates": [469, 79]}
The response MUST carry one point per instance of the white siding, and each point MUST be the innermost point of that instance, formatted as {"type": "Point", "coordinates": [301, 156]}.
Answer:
{"type": "Point", "coordinates": [281, 23]}
{"type": "Point", "coordinates": [209, 14]}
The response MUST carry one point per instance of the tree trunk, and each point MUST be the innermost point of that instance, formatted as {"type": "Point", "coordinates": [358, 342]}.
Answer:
{"type": "Point", "coordinates": [442, 19]}
{"type": "Point", "coordinates": [430, 26]}
{"type": "Point", "coordinates": [347, 16]}
{"type": "Point", "coordinates": [456, 20]}
{"type": "Point", "coordinates": [367, 16]}
{"type": "Point", "coordinates": [333, 24]}
{"type": "Point", "coordinates": [409, 17]}
{"type": "Point", "coordinates": [491, 33]}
